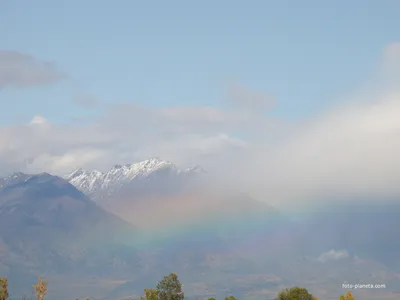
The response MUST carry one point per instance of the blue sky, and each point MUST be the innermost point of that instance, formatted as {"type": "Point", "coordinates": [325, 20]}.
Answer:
{"type": "Point", "coordinates": [305, 54]}
{"type": "Point", "coordinates": [115, 82]}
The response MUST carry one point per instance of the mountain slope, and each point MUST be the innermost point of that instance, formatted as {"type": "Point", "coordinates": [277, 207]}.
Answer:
{"type": "Point", "coordinates": [47, 225]}
{"type": "Point", "coordinates": [139, 177]}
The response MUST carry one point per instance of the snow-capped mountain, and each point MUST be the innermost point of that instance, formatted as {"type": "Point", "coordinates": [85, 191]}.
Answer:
{"type": "Point", "coordinates": [151, 173]}
{"type": "Point", "coordinates": [14, 178]}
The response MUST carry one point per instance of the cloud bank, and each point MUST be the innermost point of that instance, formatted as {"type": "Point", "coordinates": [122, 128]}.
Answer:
{"type": "Point", "coordinates": [350, 151]}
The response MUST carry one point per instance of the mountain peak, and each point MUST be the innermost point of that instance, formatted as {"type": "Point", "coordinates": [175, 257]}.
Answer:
{"type": "Point", "coordinates": [45, 177]}
{"type": "Point", "coordinates": [48, 223]}
{"type": "Point", "coordinates": [153, 163]}
{"type": "Point", "coordinates": [156, 159]}
{"type": "Point", "coordinates": [116, 167]}
{"type": "Point", "coordinates": [77, 172]}
{"type": "Point", "coordinates": [106, 183]}
{"type": "Point", "coordinates": [15, 177]}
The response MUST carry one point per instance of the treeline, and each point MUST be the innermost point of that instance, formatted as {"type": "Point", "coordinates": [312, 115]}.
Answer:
{"type": "Point", "coordinates": [170, 288]}
{"type": "Point", "coordinates": [40, 289]}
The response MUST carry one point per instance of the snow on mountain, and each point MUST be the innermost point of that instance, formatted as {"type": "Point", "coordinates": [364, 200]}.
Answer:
{"type": "Point", "coordinates": [14, 178]}
{"type": "Point", "coordinates": [99, 185]}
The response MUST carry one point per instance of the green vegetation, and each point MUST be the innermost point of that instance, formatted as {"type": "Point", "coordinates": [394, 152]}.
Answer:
{"type": "Point", "coordinates": [170, 288]}
{"type": "Point", "coordinates": [150, 294]}
{"type": "Point", "coordinates": [295, 293]}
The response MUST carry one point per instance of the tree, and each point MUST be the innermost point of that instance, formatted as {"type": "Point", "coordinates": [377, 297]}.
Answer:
{"type": "Point", "coordinates": [212, 298]}
{"type": "Point", "coordinates": [3, 288]}
{"type": "Point", "coordinates": [295, 293]}
{"type": "Point", "coordinates": [40, 288]}
{"type": "Point", "coordinates": [150, 294]}
{"type": "Point", "coordinates": [230, 298]}
{"type": "Point", "coordinates": [170, 288]}
{"type": "Point", "coordinates": [348, 296]}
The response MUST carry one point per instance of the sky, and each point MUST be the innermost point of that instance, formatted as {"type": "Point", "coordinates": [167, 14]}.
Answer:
{"type": "Point", "coordinates": [296, 98]}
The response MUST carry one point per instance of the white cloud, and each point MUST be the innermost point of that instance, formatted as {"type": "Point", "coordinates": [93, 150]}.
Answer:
{"type": "Point", "coordinates": [349, 152]}
{"type": "Point", "coordinates": [353, 151]}
{"type": "Point", "coordinates": [128, 133]}
{"type": "Point", "coordinates": [38, 120]}
{"type": "Point", "coordinates": [61, 163]}
{"type": "Point", "coordinates": [333, 255]}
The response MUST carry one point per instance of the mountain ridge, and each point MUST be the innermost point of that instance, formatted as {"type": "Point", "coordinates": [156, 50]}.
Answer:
{"type": "Point", "coordinates": [99, 185]}
{"type": "Point", "coordinates": [48, 226]}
